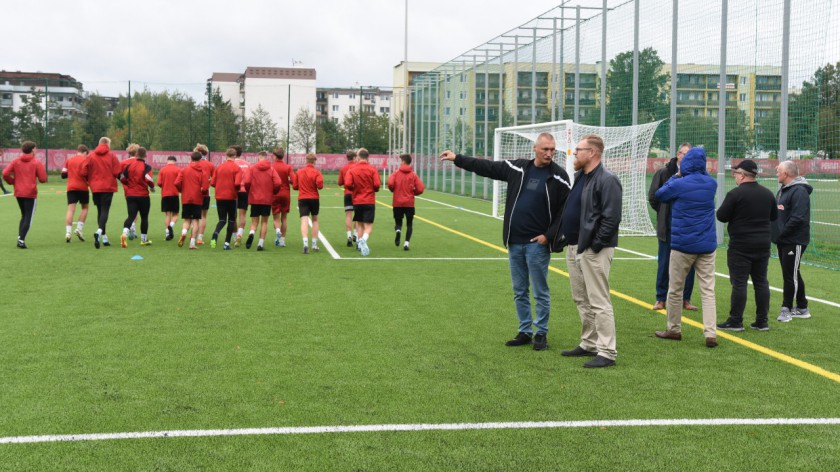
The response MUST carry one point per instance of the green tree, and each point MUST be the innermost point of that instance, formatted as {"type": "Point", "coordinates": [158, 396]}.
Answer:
{"type": "Point", "coordinates": [260, 131]}
{"type": "Point", "coordinates": [374, 131]}
{"type": "Point", "coordinates": [7, 128]}
{"type": "Point", "coordinates": [653, 102]}
{"type": "Point", "coordinates": [815, 113]}
{"type": "Point", "coordinates": [304, 131]}
{"type": "Point", "coordinates": [330, 139]}
{"type": "Point", "coordinates": [95, 122]}
{"type": "Point", "coordinates": [29, 119]}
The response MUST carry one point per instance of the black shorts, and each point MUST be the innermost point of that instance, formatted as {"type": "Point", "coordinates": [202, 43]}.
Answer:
{"type": "Point", "coordinates": [260, 210]}
{"type": "Point", "coordinates": [309, 207]}
{"type": "Point", "coordinates": [192, 211]}
{"type": "Point", "coordinates": [103, 199]}
{"type": "Point", "coordinates": [78, 196]}
{"type": "Point", "coordinates": [348, 202]}
{"type": "Point", "coordinates": [205, 205]}
{"type": "Point", "coordinates": [400, 212]}
{"type": "Point", "coordinates": [170, 204]}
{"type": "Point", "coordinates": [364, 213]}
{"type": "Point", "coordinates": [242, 200]}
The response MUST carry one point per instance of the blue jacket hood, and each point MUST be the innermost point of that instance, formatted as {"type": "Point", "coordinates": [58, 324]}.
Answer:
{"type": "Point", "coordinates": [694, 162]}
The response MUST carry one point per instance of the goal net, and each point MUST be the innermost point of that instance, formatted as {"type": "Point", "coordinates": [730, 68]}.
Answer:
{"type": "Point", "coordinates": [625, 154]}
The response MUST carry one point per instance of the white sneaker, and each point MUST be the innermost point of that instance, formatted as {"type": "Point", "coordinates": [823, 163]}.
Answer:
{"type": "Point", "coordinates": [79, 234]}
{"type": "Point", "coordinates": [785, 315]}
{"type": "Point", "coordinates": [315, 248]}
{"type": "Point", "coordinates": [67, 237]}
{"type": "Point", "coordinates": [363, 247]}
{"type": "Point", "coordinates": [281, 242]}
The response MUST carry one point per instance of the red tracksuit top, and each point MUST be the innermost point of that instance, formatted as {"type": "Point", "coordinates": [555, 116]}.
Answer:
{"type": "Point", "coordinates": [363, 181]}
{"type": "Point", "coordinates": [192, 182]}
{"type": "Point", "coordinates": [262, 184]}
{"type": "Point", "coordinates": [103, 168]}
{"type": "Point", "coordinates": [210, 168]}
{"type": "Point", "coordinates": [226, 180]}
{"type": "Point", "coordinates": [405, 184]}
{"type": "Point", "coordinates": [342, 175]}
{"type": "Point", "coordinates": [74, 169]}
{"type": "Point", "coordinates": [137, 178]}
{"type": "Point", "coordinates": [245, 166]}
{"type": "Point", "coordinates": [287, 177]}
{"type": "Point", "coordinates": [24, 173]}
{"type": "Point", "coordinates": [307, 182]}
{"type": "Point", "coordinates": [166, 180]}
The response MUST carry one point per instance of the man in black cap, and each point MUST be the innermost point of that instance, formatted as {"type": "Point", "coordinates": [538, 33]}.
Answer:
{"type": "Point", "coordinates": [748, 208]}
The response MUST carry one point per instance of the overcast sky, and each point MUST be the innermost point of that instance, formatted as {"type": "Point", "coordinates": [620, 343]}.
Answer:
{"type": "Point", "coordinates": [183, 42]}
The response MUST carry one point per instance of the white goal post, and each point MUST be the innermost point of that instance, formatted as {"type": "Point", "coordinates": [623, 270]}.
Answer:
{"type": "Point", "coordinates": [625, 154]}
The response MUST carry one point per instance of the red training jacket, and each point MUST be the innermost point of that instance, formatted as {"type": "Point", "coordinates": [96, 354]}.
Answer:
{"type": "Point", "coordinates": [226, 180]}
{"type": "Point", "coordinates": [287, 177]}
{"type": "Point", "coordinates": [103, 168]}
{"type": "Point", "coordinates": [76, 173]}
{"type": "Point", "coordinates": [245, 166]}
{"type": "Point", "coordinates": [307, 182]}
{"type": "Point", "coordinates": [137, 179]}
{"type": "Point", "coordinates": [262, 183]}
{"type": "Point", "coordinates": [363, 181]}
{"type": "Point", "coordinates": [192, 182]}
{"type": "Point", "coordinates": [166, 180]}
{"type": "Point", "coordinates": [342, 175]}
{"type": "Point", "coordinates": [24, 173]}
{"type": "Point", "coordinates": [210, 168]}
{"type": "Point", "coordinates": [405, 185]}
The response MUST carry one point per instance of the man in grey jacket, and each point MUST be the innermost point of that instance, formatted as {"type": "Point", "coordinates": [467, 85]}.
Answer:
{"type": "Point", "coordinates": [590, 227]}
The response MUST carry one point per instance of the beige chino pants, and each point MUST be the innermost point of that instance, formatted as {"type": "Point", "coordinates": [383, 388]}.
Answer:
{"type": "Point", "coordinates": [704, 266]}
{"type": "Point", "coordinates": [589, 274]}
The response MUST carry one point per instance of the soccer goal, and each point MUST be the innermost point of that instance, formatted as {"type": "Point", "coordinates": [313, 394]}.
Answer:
{"type": "Point", "coordinates": [625, 154]}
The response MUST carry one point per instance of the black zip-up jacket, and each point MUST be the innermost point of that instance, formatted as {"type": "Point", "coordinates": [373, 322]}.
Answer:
{"type": "Point", "coordinates": [748, 209]}
{"type": "Point", "coordinates": [600, 211]}
{"type": "Point", "coordinates": [556, 189]}
{"type": "Point", "coordinates": [793, 226]}
{"type": "Point", "coordinates": [663, 210]}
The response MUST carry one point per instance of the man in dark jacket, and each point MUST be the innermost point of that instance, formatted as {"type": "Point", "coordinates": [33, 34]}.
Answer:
{"type": "Point", "coordinates": [537, 190]}
{"type": "Point", "coordinates": [663, 234]}
{"type": "Point", "coordinates": [590, 228]}
{"type": "Point", "coordinates": [791, 232]}
{"type": "Point", "coordinates": [693, 241]}
{"type": "Point", "coordinates": [748, 208]}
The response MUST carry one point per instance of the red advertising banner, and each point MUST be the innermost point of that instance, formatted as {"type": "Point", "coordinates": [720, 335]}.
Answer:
{"type": "Point", "coordinates": [158, 159]}
{"type": "Point", "coordinates": [767, 167]}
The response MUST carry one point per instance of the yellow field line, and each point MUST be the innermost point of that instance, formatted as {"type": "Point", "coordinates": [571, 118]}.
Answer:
{"type": "Point", "coordinates": [750, 345]}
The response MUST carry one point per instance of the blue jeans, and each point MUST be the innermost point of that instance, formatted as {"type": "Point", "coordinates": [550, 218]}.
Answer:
{"type": "Point", "coordinates": [663, 259]}
{"type": "Point", "coordinates": [530, 261]}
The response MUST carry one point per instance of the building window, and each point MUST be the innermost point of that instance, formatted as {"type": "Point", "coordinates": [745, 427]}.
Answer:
{"type": "Point", "coordinates": [335, 107]}
{"type": "Point", "coordinates": [743, 81]}
{"type": "Point", "coordinates": [743, 97]}
{"type": "Point", "coordinates": [352, 96]}
{"type": "Point", "coordinates": [352, 108]}
{"type": "Point", "coordinates": [448, 94]}
{"type": "Point", "coordinates": [463, 95]}
{"type": "Point", "coordinates": [461, 111]}
{"type": "Point", "coordinates": [384, 109]}
{"type": "Point", "coordinates": [335, 95]}
{"type": "Point", "coordinates": [446, 111]}
{"type": "Point", "coordinates": [335, 120]}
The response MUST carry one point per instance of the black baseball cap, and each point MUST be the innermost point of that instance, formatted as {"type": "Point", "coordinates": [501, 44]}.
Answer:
{"type": "Point", "coordinates": [747, 165]}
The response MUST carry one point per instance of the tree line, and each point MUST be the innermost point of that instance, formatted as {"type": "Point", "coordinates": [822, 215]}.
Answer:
{"type": "Point", "coordinates": [175, 121]}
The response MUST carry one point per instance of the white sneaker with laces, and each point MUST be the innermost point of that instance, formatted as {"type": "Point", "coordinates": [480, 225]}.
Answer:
{"type": "Point", "coordinates": [802, 313]}
{"type": "Point", "coordinates": [785, 315]}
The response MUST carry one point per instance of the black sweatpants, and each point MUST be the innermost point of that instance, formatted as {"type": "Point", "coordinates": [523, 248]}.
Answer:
{"type": "Point", "coordinates": [227, 215]}
{"type": "Point", "coordinates": [408, 212]}
{"type": "Point", "coordinates": [744, 264]}
{"type": "Point", "coordinates": [794, 287]}
{"type": "Point", "coordinates": [102, 200]}
{"type": "Point", "coordinates": [137, 205]}
{"type": "Point", "coordinates": [27, 211]}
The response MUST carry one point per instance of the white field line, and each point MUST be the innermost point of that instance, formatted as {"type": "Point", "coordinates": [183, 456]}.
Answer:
{"type": "Point", "coordinates": [824, 223]}
{"type": "Point", "coordinates": [455, 207]}
{"type": "Point", "coordinates": [426, 259]}
{"type": "Point", "coordinates": [644, 256]}
{"type": "Point", "coordinates": [326, 243]}
{"type": "Point", "coordinates": [299, 430]}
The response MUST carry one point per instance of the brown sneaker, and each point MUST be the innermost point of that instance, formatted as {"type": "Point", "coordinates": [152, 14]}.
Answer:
{"type": "Point", "coordinates": [711, 342]}
{"type": "Point", "coordinates": [688, 306]}
{"type": "Point", "coordinates": [659, 305]}
{"type": "Point", "coordinates": [669, 335]}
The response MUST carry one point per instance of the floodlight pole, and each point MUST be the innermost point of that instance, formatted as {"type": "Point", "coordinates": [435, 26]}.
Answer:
{"type": "Point", "coordinates": [783, 112]}
{"type": "Point", "coordinates": [721, 160]}
{"type": "Point", "coordinates": [672, 132]}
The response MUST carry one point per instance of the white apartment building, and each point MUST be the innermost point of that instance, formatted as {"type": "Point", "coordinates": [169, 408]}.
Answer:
{"type": "Point", "coordinates": [281, 91]}
{"type": "Point", "coordinates": [63, 91]}
{"type": "Point", "coordinates": [335, 103]}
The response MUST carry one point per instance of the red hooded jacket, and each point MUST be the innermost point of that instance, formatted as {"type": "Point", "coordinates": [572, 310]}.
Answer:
{"type": "Point", "coordinates": [405, 185]}
{"type": "Point", "coordinates": [192, 182]}
{"type": "Point", "coordinates": [137, 179]}
{"type": "Point", "coordinates": [103, 167]}
{"type": "Point", "coordinates": [166, 180]}
{"type": "Point", "coordinates": [76, 174]}
{"type": "Point", "coordinates": [262, 184]}
{"type": "Point", "coordinates": [307, 182]}
{"type": "Point", "coordinates": [342, 175]}
{"type": "Point", "coordinates": [210, 168]}
{"type": "Point", "coordinates": [245, 166]}
{"type": "Point", "coordinates": [23, 172]}
{"type": "Point", "coordinates": [227, 180]}
{"type": "Point", "coordinates": [363, 181]}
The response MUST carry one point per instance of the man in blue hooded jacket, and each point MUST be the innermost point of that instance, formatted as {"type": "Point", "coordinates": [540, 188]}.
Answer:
{"type": "Point", "coordinates": [691, 193]}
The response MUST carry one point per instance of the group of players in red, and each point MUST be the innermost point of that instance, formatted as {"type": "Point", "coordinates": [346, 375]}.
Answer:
{"type": "Point", "coordinates": [264, 186]}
